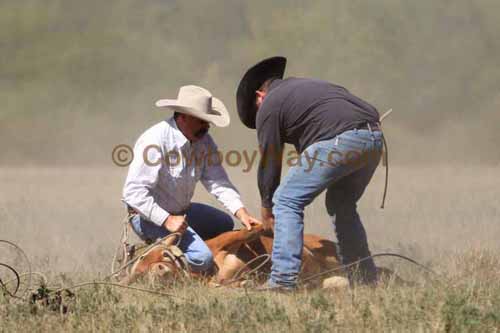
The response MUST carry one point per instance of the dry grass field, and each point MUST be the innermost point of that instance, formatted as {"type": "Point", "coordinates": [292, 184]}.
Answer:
{"type": "Point", "coordinates": [68, 222]}
{"type": "Point", "coordinates": [78, 78]}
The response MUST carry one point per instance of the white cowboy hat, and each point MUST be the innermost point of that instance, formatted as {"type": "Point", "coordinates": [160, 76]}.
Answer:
{"type": "Point", "coordinates": [198, 102]}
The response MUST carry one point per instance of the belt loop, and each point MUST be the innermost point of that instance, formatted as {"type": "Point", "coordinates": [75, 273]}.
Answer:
{"type": "Point", "coordinates": [371, 132]}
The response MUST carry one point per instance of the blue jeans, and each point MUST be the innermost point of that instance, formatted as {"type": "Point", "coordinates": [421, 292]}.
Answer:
{"type": "Point", "coordinates": [204, 222]}
{"type": "Point", "coordinates": [343, 166]}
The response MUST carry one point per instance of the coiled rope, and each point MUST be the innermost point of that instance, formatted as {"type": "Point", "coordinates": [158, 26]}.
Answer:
{"type": "Point", "coordinates": [17, 275]}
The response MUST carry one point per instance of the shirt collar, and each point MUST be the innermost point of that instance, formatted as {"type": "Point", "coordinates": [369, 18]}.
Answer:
{"type": "Point", "coordinates": [178, 135]}
{"type": "Point", "coordinates": [274, 84]}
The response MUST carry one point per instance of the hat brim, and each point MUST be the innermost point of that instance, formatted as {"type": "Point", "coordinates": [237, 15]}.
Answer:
{"type": "Point", "coordinates": [251, 81]}
{"type": "Point", "coordinates": [219, 116]}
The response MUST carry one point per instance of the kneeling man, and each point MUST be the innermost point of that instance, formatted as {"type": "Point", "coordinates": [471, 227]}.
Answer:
{"type": "Point", "coordinates": [169, 159]}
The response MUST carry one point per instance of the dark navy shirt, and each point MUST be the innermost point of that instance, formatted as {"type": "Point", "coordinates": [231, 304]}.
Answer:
{"type": "Point", "coordinates": [301, 112]}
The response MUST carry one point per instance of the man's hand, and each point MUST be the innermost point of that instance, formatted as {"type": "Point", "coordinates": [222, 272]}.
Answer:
{"type": "Point", "coordinates": [248, 220]}
{"type": "Point", "coordinates": [175, 223]}
{"type": "Point", "coordinates": [267, 218]}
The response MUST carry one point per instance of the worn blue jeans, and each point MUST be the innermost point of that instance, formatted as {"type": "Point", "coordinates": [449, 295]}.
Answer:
{"type": "Point", "coordinates": [204, 222]}
{"type": "Point", "coordinates": [343, 166]}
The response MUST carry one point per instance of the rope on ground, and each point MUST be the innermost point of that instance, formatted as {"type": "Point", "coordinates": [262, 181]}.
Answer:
{"type": "Point", "coordinates": [384, 254]}
{"type": "Point", "coordinates": [92, 283]}
{"type": "Point", "coordinates": [4, 285]}
{"type": "Point", "coordinates": [237, 276]}
{"type": "Point", "coordinates": [29, 273]}
{"type": "Point", "coordinates": [133, 260]}
{"type": "Point", "coordinates": [39, 274]}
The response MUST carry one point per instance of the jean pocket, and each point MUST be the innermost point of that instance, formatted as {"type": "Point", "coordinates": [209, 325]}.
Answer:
{"type": "Point", "coordinates": [135, 223]}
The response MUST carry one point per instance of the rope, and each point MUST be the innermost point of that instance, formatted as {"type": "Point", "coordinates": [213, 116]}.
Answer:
{"type": "Point", "coordinates": [385, 254]}
{"type": "Point", "coordinates": [44, 278]}
{"type": "Point", "coordinates": [4, 285]}
{"type": "Point", "coordinates": [237, 278]}
{"type": "Point", "coordinates": [29, 273]}
{"type": "Point", "coordinates": [386, 163]}
{"type": "Point", "coordinates": [130, 262]}
{"type": "Point", "coordinates": [85, 284]}
{"type": "Point", "coordinates": [123, 241]}
{"type": "Point", "coordinates": [385, 157]}
{"type": "Point", "coordinates": [382, 117]}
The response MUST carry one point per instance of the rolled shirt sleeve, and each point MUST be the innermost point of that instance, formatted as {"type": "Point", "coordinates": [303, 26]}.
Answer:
{"type": "Point", "coordinates": [143, 175]}
{"type": "Point", "coordinates": [216, 181]}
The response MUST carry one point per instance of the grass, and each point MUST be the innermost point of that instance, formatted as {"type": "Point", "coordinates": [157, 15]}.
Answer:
{"type": "Point", "coordinates": [68, 221]}
{"type": "Point", "coordinates": [467, 302]}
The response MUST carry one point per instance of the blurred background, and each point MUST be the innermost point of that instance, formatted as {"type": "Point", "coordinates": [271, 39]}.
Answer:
{"type": "Point", "coordinates": [78, 78]}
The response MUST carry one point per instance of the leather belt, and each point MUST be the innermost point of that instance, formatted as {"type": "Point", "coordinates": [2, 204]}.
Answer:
{"type": "Point", "coordinates": [369, 126]}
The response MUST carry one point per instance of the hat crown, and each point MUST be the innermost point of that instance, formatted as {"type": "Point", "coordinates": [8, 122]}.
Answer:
{"type": "Point", "coordinates": [195, 97]}
{"type": "Point", "coordinates": [198, 102]}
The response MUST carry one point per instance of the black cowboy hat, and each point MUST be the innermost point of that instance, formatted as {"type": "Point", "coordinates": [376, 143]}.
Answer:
{"type": "Point", "coordinates": [252, 80]}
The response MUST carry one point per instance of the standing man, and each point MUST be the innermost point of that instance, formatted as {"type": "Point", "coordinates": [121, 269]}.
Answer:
{"type": "Point", "coordinates": [169, 159]}
{"type": "Point", "coordinates": [340, 144]}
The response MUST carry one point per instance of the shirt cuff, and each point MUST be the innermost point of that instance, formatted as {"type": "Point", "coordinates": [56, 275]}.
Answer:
{"type": "Point", "coordinates": [158, 215]}
{"type": "Point", "coordinates": [234, 206]}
